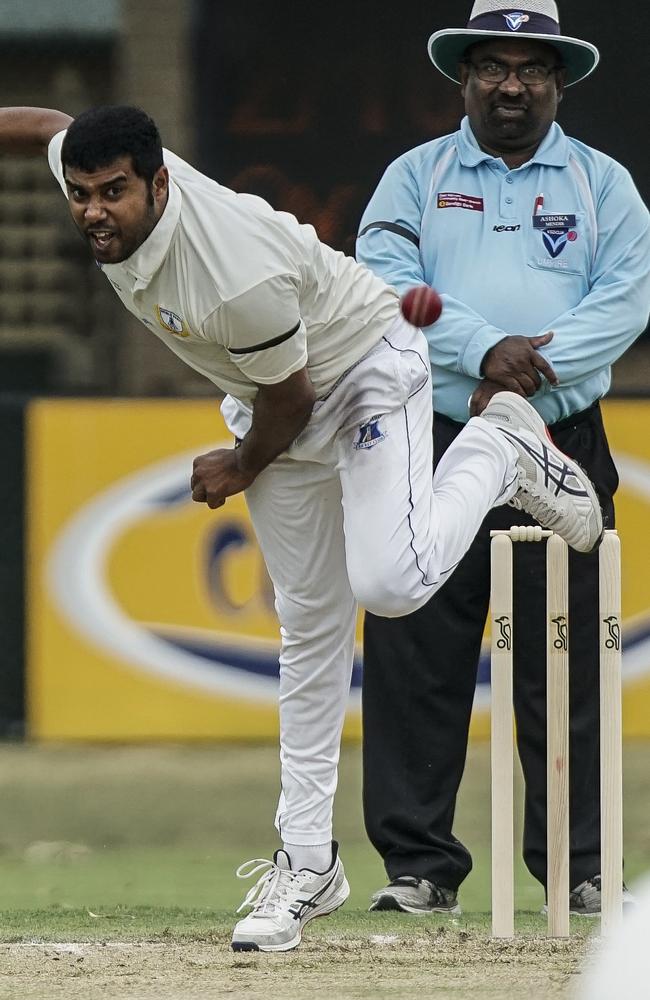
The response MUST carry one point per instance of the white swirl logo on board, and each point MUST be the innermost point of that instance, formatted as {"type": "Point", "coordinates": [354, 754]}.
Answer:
{"type": "Point", "coordinates": [208, 660]}
{"type": "Point", "coordinates": [217, 663]}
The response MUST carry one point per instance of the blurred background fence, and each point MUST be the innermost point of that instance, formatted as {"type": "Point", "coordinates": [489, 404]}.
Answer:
{"type": "Point", "coordinates": [124, 612]}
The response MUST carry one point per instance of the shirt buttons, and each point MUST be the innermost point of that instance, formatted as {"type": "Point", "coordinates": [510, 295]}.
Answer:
{"type": "Point", "coordinates": [508, 201]}
{"type": "Point", "coordinates": [509, 180]}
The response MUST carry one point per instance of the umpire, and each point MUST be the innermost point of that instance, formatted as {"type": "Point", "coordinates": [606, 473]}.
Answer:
{"type": "Point", "coordinates": [540, 247]}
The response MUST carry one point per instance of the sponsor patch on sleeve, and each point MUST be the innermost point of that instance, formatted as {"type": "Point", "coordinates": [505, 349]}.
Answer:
{"type": "Point", "coordinates": [451, 199]}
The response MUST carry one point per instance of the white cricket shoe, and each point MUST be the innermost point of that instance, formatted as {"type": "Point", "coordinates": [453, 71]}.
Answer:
{"type": "Point", "coordinates": [552, 488]}
{"type": "Point", "coordinates": [282, 901]}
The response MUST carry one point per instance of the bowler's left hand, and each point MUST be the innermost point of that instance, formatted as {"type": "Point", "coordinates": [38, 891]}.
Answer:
{"type": "Point", "coordinates": [216, 475]}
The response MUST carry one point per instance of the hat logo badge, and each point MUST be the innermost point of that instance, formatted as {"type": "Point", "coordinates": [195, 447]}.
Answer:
{"type": "Point", "coordinates": [515, 19]}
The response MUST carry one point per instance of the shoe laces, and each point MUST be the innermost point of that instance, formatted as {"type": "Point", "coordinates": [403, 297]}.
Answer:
{"type": "Point", "coordinates": [275, 888]}
{"type": "Point", "coordinates": [537, 503]}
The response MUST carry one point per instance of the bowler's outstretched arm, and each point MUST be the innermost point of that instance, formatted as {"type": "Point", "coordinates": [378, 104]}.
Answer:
{"type": "Point", "coordinates": [29, 130]}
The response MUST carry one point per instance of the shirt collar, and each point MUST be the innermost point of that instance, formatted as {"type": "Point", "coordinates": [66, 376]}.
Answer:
{"type": "Point", "coordinates": [552, 152]}
{"type": "Point", "coordinates": [149, 256]}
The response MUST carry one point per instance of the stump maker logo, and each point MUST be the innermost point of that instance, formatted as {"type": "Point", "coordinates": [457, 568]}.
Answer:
{"type": "Point", "coordinates": [504, 642]}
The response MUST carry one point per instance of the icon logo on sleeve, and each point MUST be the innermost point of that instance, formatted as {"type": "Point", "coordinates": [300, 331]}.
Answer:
{"type": "Point", "coordinates": [515, 19]}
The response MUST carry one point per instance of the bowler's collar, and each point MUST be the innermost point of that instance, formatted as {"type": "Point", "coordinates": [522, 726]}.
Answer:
{"type": "Point", "coordinates": [149, 256]}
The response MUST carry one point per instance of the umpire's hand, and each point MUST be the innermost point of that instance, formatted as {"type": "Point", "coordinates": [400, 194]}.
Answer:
{"type": "Point", "coordinates": [516, 364]}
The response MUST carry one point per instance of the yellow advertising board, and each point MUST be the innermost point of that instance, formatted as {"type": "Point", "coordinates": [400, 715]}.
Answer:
{"type": "Point", "coordinates": [151, 617]}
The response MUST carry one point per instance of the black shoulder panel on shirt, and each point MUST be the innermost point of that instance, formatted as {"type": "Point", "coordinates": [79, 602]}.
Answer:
{"type": "Point", "coordinates": [392, 227]}
{"type": "Point", "coordinates": [267, 343]}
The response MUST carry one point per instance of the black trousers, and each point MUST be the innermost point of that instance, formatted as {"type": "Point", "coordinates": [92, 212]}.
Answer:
{"type": "Point", "coordinates": [419, 681]}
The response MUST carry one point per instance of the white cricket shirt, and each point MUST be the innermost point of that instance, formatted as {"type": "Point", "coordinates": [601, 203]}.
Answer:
{"type": "Point", "coordinates": [244, 294]}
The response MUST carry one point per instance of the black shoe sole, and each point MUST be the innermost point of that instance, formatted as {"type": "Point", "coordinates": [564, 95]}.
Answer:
{"type": "Point", "coordinates": [388, 903]}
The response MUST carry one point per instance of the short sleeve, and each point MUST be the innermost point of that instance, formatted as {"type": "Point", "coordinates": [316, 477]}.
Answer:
{"type": "Point", "coordinates": [54, 158]}
{"type": "Point", "coordinates": [262, 330]}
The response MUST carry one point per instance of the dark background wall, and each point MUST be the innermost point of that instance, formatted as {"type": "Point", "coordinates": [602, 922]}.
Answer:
{"type": "Point", "coordinates": [326, 95]}
{"type": "Point", "coordinates": [12, 546]}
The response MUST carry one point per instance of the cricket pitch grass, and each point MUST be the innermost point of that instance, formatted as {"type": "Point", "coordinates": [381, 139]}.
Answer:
{"type": "Point", "coordinates": [117, 875]}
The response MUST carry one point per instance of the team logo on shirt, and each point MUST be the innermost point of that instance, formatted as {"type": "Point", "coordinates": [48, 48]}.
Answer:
{"type": "Point", "coordinates": [557, 230]}
{"type": "Point", "coordinates": [555, 240]}
{"type": "Point", "coordinates": [370, 434]}
{"type": "Point", "coordinates": [515, 19]}
{"type": "Point", "coordinates": [172, 322]}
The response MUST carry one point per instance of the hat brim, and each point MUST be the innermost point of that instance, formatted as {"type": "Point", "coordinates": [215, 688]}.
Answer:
{"type": "Point", "coordinates": [446, 49]}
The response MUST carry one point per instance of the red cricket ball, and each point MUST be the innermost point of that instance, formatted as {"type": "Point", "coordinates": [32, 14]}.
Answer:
{"type": "Point", "coordinates": [421, 306]}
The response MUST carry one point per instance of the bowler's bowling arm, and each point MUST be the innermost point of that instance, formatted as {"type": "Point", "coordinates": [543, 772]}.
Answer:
{"type": "Point", "coordinates": [28, 131]}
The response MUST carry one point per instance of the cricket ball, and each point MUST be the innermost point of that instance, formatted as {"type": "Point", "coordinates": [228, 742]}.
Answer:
{"type": "Point", "coordinates": [421, 306]}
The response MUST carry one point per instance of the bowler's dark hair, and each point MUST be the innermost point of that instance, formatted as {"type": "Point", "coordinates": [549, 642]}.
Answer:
{"type": "Point", "coordinates": [101, 135]}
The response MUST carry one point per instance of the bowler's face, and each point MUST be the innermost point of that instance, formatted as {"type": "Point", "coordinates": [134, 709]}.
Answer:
{"type": "Point", "coordinates": [511, 116]}
{"type": "Point", "coordinates": [114, 208]}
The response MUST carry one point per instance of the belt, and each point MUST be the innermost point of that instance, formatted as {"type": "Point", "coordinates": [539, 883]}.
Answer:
{"type": "Point", "coordinates": [571, 421]}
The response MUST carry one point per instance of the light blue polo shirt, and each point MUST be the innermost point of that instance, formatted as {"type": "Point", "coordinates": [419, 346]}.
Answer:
{"type": "Point", "coordinates": [561, 243]}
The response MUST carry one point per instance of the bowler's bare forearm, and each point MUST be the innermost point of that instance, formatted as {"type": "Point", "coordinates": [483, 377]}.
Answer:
{"type": "Point", "coordinates": [280, 412]}
{"type": "Point", "coordinates": [28, 131]}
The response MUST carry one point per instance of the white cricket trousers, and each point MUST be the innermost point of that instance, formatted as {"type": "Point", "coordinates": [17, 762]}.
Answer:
{"type": "Point", "coordinates": [351, 515]}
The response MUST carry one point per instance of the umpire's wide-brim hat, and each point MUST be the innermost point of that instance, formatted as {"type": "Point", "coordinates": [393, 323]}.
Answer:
{"type": "Point", "coordinates": [535, 19]}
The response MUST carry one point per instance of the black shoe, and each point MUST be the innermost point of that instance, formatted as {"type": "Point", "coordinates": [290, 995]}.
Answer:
{"type": "Point", "coordinates": [416, 895]}
{"type": "Point", "coordinates": [584, 900]}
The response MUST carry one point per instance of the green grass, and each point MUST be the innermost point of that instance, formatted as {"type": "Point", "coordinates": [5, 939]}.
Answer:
{"type": "Point", "coordinates": [117, 881]}
{"type": "Point", "coordinates": [158, 923]}
{"type": "Point", "coordinates": [111, 830]}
